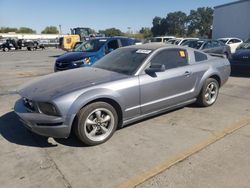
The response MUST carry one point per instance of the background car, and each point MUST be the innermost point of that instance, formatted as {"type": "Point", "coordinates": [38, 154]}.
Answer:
{"type": "Point", "coordinates": [179, 41]}
{"type": "Point", "coordinates": [90, 51]}
{"type": "Point", "coordinates": [241, 57]}
{"type": "Point", "coordinates": [161, 39]}
{"type": "Point", "coordinates": [127, 85]}
{"type": "Point", "coordinates": [234, 43]}
{"type": "Point", "coordinates": [9, 44]}
{"type": "Point", "coordinates": [209, 46]}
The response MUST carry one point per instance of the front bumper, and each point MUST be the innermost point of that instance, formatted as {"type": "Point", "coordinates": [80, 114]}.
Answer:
{"type": "Point", "coordinates": [42, 124]}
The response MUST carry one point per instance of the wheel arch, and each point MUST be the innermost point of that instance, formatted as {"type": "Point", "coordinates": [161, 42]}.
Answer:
{"type": "Point", "coordinates": [110, 100]}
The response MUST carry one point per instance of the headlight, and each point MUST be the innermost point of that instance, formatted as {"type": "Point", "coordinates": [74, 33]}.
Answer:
{"type": "Point", "coordinates": [29, 104]}
{"type": "Point", "coordinates": [47, 108]}
{"type": "Point", "coordinates": [78, 63]}
{"type": "Point", "coordinates": [87, 61]}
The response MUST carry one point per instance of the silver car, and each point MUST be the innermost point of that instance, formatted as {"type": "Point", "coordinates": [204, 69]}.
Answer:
{"type": "Point", "coordinates": [127, 85]}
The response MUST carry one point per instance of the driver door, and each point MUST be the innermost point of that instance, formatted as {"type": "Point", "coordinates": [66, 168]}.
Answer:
{"type": "Point", "coordinates": [174, 85]}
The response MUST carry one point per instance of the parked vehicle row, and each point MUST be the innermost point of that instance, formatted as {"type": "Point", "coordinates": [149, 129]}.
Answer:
{"type": "Point", "coordinates": [233, 43]}
{"type": "Point", "coordinates": [126, 85]}
{"type": "Point", "coordinates": [209, 46]}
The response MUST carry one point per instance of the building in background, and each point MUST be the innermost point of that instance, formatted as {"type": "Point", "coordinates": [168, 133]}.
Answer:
{"type": "Point", "coordinates": [30, 36]}
{"type": "Point", "coordinates": [232, 20]}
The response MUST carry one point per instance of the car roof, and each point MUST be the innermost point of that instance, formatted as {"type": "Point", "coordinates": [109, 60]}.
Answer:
{"type": "Point", "coordinates": [155, 46]}
{"type": "Point", "coordinates": [108, 38]}
{"type": "Point", "coordinates": [229, 38]}
{"type": "Point", "coordinates": [165, 37]}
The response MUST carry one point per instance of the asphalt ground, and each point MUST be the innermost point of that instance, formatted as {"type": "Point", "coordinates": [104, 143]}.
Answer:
{"type": "Point", "coordinates": [188, 147]}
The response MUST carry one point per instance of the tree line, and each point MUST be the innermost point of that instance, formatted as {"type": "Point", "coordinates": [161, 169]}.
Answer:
{"type": "Point", "coordinates": [195, 24]}
{"type": "Point", "coordinates": [27, 30]}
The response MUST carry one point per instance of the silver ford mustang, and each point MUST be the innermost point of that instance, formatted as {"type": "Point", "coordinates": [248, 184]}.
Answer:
{"type": "Point", "coordinates": [125, 86]}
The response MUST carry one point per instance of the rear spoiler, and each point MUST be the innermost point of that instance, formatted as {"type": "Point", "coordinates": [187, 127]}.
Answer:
{"type": "Point", "coordinates": [217, 55]}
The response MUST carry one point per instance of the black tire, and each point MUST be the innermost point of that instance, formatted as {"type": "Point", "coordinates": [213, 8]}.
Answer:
{"type": "Point", "coordinates": [201, 100]}
{"type": "Point", "coordinates": [80, 124]}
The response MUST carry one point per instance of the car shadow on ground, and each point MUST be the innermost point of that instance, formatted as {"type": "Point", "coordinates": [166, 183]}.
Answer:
{"type": "Point", "coordinates": [55, 56]}
{"type": "Point", "coordinates": [13, 131]}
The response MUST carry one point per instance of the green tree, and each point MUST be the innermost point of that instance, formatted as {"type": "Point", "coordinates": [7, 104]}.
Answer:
{"type": "Point", "coordinates": [176, 22]}
{"type": "Point", "coordinates": [146, 32]}
{"type": "Point", "coordinates": [111, 32]}
{"type": "Point", "coordinates": [8, 29]}
{"type": "Point", "coordinates": [25, 30]}
{"type": "Point", "coordinates": [200, 21]}
{"type": "Point", "coordinates": [50, 30]}
{"type": "Point", "coordinates": [159, 26]}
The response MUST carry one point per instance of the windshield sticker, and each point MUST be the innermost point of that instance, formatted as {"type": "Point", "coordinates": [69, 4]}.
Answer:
{"type": "Point", "coordinates": [143, 51]}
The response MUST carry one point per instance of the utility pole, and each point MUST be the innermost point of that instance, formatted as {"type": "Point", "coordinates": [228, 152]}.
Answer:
{"type": "Point", "coordinates": [60, 29]}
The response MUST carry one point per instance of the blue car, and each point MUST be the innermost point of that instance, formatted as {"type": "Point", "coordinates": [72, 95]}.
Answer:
{"type": "Point", "coordinates": [241, 58]}
{"type": "Point", "coordinates": [90, 51]}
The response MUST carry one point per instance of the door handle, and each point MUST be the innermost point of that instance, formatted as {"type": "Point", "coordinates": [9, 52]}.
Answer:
{"type": "Point", "coordinates": [187, 73]}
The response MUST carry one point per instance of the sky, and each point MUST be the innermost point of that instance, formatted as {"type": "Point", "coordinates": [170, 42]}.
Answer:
{"type": "Point", "coordinates": [96, 14]}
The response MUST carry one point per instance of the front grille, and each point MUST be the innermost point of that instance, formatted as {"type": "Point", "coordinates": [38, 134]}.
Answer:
{"type": "Point", "coordinates": [62, 65]}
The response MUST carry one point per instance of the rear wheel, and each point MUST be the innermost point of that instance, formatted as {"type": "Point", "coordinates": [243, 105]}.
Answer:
{"type": "Point", "coordinates": [209, 93]}
{"type": "Point", "coordinates": [96, 123]}
{"type": "Point", "coordinates": [6, 49]}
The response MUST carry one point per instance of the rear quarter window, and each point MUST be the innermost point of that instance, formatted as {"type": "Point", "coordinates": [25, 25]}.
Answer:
{"type": "Point", "coordinates": [200, 56]}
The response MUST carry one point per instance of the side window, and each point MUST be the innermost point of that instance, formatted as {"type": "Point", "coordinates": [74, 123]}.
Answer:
{"type": "Point", "coordinates": [127, 42]}
{"type": "Point", "coordinates": [199, 56]}
{"type": "Point", "coordinates": [215, 44]}
{"type": "Point", "coordinates": [234, 41]}
{"type": "Point", "coordinates": [113, 44]}
{"type": "Point", "coordinates": [207, 45]}
{"type": "Point", "coordinates": [124, 42]}
{"type": "Point", "coordinates": [165, 39]}
{"type": "Point", "coordinates": [171, 58]}
{"type": "Point", "coordinates": [231, 41]}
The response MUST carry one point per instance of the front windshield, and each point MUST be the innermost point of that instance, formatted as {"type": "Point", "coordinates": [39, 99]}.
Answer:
{"type": "Point", "coordinates": [123, 60]}
{"type": "Point", "coordinates": [91, 45]}
{"type": "Point", "coordinates": [172, 41]}
{"type": "Point", "coordinates": [193, 43]}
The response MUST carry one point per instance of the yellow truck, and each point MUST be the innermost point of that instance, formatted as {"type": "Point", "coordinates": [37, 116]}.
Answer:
{"type": "Point", "coordinates": [77, 34]}
{"type": "Point", "coordinates": [68, 41]}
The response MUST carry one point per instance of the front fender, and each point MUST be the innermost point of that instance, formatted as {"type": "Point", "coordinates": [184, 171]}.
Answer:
{"type": "Point", "coordinates": [92, 95]}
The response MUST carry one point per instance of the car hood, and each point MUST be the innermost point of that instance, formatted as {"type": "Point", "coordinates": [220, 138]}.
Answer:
{"type": "Point", "coordinates": [54, 85]}
{"type": "Point", "coordinates": [74, 56]}
{"type": "Point", "coordinates": [242, 55]}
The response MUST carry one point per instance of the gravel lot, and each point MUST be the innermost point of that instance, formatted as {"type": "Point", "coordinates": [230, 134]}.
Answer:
{"type": "Point", "coordinates": [29, 160]}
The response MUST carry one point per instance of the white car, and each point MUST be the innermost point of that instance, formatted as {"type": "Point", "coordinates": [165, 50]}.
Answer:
{"type": "Point", "coordinates": [232, 42]}
{"type": "Point", "coordinates": [162, 39]}
{"type": "Point", "coordinates": [179, 41]}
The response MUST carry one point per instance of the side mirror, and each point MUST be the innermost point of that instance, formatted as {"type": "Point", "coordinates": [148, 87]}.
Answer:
{"type": "Point", "coordinates": [155, 68]}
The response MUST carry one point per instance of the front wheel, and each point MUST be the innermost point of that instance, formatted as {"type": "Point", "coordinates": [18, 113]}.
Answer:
{"type": "Point", "coordinates": [209, 93]}
{"type": "Point", "coordinates": [96, 123]}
